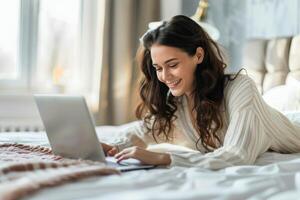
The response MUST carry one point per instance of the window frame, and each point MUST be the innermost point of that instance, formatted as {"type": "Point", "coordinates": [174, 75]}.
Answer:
{"type": "Point", "coordinates": [27, 48]}
{"type": "Point", "coordinates": [28, 39]}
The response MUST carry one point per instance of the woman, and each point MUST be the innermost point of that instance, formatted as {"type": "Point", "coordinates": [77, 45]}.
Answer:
{"type": "Point", "coordinates": [187, 100]}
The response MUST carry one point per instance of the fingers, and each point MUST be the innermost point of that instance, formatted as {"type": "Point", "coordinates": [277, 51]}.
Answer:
{"type": "Point", "coordinates": [124, 157]}
{"type": "Point", "coordinates": [123, 152]}
{"type": "Point", "coordinates": [109, 150]}
{"type": "Point", "coordinates": [126, 153]}
{"type": "Point", "coordinates": [106, 147]}
{"type": "Point", "coordinates": [112, 152]}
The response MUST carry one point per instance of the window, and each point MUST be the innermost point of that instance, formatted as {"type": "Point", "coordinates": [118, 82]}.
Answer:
{"type": "Point", "coordinates": [58, 44]}
{"type": "Point", "coordinates": [51, 46]}
{"type": "Point", "coordinates": [9, 40]}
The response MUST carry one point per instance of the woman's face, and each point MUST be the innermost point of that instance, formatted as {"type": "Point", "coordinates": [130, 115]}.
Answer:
{"type": "Point", "coordinates": [176, 68]}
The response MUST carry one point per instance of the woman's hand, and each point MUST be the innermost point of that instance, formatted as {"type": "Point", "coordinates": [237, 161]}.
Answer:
{"type": "Point", "coordinates": [145, 156]}
{"type": "Point", "coordinates": [109, 150]}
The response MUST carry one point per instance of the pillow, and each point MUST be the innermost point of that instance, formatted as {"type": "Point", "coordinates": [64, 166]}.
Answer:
{"type": "Point", "coordinates": [284, 97]}
{"type": "Point", "coordinates": [293, 116]}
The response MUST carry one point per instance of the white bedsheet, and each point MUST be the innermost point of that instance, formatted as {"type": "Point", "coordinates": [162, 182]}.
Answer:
{"type": "Point", "coordinates": [275, 176]}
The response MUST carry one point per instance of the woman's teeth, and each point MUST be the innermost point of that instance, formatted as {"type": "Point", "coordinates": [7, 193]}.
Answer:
{"type": "Point", "coordinates": [173, 83]}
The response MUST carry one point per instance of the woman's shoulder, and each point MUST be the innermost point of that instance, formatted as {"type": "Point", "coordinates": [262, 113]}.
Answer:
{"type": "Point", "coordinates": [239, 83]}
{"type": "Point", "coordinates": [240, 91]}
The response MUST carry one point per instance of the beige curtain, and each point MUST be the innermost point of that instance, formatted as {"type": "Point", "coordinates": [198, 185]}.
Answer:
{"type": "Point", "coordinates": [126, 21]}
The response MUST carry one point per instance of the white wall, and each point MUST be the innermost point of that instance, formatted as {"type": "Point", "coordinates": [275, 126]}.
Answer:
{"type": "Point", "coordinates": [169, 8]}
{"type": "Point", "coordinates": [19, 113]}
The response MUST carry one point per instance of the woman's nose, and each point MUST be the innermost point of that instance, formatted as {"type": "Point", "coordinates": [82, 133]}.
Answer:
{"type": "Point", "coordinates": [165, 74]}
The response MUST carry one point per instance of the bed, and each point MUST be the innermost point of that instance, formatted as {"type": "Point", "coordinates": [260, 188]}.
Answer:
{"type": "Point", "coordinates": [274, 176]}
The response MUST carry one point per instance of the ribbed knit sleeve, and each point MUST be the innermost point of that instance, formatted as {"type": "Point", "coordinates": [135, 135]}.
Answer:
{"type": "Point", "coordinates": [245, 137]}
{"type": "Point", "coordinates": [133, 134]}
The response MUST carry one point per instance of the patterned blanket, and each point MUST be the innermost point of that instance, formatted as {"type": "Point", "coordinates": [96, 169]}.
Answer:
{"type": "Point", "coordinates": [26, 169]}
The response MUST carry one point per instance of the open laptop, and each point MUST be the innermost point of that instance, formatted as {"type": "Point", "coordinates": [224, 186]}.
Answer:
{"type": "Point", "coordinates": [71, 131]}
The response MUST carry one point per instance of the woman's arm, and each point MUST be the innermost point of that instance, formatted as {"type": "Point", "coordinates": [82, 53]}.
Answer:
{"type": "Point", "coordinates": [132, 143]}
{"type": "Point", "coordinates": [245, 140]}
{"type": "Point", "coordinates": [145, 156]}
{"type": "Point", "coordinates": [133, 134]}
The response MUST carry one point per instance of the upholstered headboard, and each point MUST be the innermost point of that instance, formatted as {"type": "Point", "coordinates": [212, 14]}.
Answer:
{"type": "Point", "coordinates": [272, 62]}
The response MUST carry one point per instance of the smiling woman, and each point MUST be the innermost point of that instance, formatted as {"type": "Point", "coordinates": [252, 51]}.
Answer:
{"type": "Point", "coordinates": [187, 62]}
{"type": "Point", "coordinates": [175, 67]}
{"type": "Point", "coordinates": [187, 100]}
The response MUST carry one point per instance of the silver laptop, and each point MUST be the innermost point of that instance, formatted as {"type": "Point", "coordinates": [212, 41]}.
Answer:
{"type": "Point", "coordinates": [71, 131]}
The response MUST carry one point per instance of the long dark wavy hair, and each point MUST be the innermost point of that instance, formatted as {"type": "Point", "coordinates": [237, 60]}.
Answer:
{"type": "Point", "coordinates": [158, 106]}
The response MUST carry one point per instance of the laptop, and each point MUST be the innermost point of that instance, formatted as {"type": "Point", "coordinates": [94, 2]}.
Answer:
{"type": "Point", "coordinates": [71, 131]}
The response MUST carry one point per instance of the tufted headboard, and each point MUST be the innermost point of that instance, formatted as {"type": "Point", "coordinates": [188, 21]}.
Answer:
{"type": "Point", "coordinates": [272, 62]}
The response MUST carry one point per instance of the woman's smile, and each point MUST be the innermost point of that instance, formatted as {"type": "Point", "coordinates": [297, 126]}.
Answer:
{"type": "Point", "coordinates": [173, 84]}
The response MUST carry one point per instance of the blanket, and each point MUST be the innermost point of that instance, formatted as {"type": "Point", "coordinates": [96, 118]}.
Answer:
{"type": "Point", "coordinates": [25, 169]}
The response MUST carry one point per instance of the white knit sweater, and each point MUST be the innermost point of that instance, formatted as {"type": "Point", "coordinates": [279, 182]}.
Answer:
{"type": "Point", "coordinates": [250, 128]}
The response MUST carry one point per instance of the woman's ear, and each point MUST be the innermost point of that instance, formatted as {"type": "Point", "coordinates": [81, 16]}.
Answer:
{"type": "Point", "coordinates": [200, 55]}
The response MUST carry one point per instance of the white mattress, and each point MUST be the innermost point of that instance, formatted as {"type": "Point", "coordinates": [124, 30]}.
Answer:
{"type": "Point", "coordinates": [275, 176]}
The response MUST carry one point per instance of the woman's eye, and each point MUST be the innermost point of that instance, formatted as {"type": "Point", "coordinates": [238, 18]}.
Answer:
{"type": "Point", "coordinates": [158, 69]}
{"type": "Point", "coordinates": [173, 65]}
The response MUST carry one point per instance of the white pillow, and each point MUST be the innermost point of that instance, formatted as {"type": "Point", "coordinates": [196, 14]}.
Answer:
{"type": "Point", "coordinates": [293, 116]}
{"type": "Point", "coordinates": [285, 97]}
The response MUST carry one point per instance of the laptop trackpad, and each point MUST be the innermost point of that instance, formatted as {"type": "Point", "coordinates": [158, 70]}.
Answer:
{"type": "Point", "coordinates": [130, 161]}
{"type": "Point", "coordinates": [127, 165]}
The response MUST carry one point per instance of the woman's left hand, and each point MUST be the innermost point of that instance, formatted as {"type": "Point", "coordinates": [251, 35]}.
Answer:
{"type": "Point", "coordinates": [145, 156]}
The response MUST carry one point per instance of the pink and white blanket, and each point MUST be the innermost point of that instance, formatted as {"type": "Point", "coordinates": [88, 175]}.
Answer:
{"type": "Point", "coordinates": [26, 169]}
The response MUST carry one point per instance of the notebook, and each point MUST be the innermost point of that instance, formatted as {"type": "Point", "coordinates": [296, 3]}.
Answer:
{"type": "Point", "coordinates": [71, 131]}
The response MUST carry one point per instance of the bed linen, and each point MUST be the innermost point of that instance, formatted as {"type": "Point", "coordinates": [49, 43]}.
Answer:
{"type": "Point", "coordinates": [274, 176]}
{"type": "Point", "coordinates": [26, 169]}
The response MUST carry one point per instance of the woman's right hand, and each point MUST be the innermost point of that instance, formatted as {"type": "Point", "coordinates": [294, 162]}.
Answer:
{"type": "Point", "coordinates": [109, 150]}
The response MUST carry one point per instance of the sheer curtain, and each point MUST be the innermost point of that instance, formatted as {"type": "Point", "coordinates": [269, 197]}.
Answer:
{"type": "Point", "coordinates": [47, 46]}
{"type": "Point", "coordinates": [125, 22]}
{"type": "Point", "coordinates": [69, 49]}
